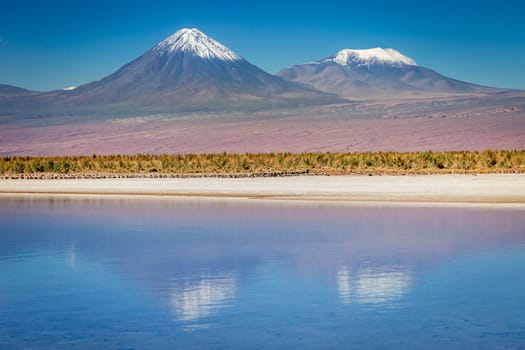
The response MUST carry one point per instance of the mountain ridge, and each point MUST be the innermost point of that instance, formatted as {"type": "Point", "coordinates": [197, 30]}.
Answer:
{"type": "Point", "coordinates": [6, 89]}
{"type": "Point", "coordinates": [190, 71]}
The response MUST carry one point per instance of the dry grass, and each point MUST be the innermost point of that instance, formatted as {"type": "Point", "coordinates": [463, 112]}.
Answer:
{"type": "Point", "coordinates": [329, 163]}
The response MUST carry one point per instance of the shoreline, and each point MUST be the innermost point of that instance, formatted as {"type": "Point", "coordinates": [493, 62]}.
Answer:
{"type": "Point", "coordinates": [494, 189]}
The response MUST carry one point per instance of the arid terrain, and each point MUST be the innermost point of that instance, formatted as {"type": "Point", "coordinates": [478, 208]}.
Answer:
{"type": "Point", "coordinates": [473, 122]}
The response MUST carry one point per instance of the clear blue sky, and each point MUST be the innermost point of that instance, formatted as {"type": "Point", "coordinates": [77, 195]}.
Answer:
{"type": "Point", "coordinates": [54, 44]}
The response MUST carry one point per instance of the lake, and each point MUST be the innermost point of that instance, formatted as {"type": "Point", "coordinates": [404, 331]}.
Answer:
{"type": "Point", "coordinates": [166, 273]}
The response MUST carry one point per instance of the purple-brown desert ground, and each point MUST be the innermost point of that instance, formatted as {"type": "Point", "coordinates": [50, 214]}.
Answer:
{"type": "Point", "coordinates": [475, 122]}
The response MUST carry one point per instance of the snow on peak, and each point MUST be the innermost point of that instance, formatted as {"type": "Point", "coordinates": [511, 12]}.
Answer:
{"type": "Point", "coordinates": [196, 42]}
{"type": "Point", "coordinates": [371, 56]}
{"type": "Point", "coordinates": [69, 88]}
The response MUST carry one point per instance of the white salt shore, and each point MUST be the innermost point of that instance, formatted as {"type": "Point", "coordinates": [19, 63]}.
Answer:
{"type": "Point", "coordinates": [497, 189]}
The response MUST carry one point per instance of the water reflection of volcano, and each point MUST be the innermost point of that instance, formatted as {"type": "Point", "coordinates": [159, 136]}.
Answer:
{"type": "Point", "coordinates": [205, 297]}
{"type": "Point", "coordinates": [372, 286]}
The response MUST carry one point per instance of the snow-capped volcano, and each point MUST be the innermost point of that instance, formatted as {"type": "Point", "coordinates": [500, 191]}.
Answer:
{"type": "Point", "coordinates": [376, 55]}
{"type": "Point", "coordinates": [374, 73]}
{"type": "Point", "coordinates": [195, 42]}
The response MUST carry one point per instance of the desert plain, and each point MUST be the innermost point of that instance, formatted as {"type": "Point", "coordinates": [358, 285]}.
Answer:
{"type": "Point", "coordinates": [438, 123]}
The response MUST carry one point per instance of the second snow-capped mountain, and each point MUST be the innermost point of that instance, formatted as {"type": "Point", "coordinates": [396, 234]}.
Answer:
{"type": "Point", "coordinates": [375, 73]}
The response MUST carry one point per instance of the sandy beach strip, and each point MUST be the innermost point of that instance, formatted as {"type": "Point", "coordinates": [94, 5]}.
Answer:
{"type": "Point", "coordinates": [491, 188]}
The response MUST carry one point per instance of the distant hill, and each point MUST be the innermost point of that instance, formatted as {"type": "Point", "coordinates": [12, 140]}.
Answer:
{"type": "Point", "coordinates": [13, 90]}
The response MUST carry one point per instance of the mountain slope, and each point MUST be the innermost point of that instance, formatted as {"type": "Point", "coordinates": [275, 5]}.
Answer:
{"type": "Point", "coordinates": [374, 73]}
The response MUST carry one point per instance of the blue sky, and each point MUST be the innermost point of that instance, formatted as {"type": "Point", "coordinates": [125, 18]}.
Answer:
{"type": "Point", "coordinates": [54, 44]}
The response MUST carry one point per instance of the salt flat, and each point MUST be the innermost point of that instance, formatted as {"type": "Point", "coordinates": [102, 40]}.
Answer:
{"type": "Point", "coordinates": [489, 188]}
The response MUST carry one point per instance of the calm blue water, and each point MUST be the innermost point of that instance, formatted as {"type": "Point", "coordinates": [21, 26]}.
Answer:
{"type": "Point", "coordinates": [195, 274]}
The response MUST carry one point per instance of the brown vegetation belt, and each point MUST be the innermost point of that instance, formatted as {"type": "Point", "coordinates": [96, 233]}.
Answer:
{"type": "Point", "coordinates": [263, 164]}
